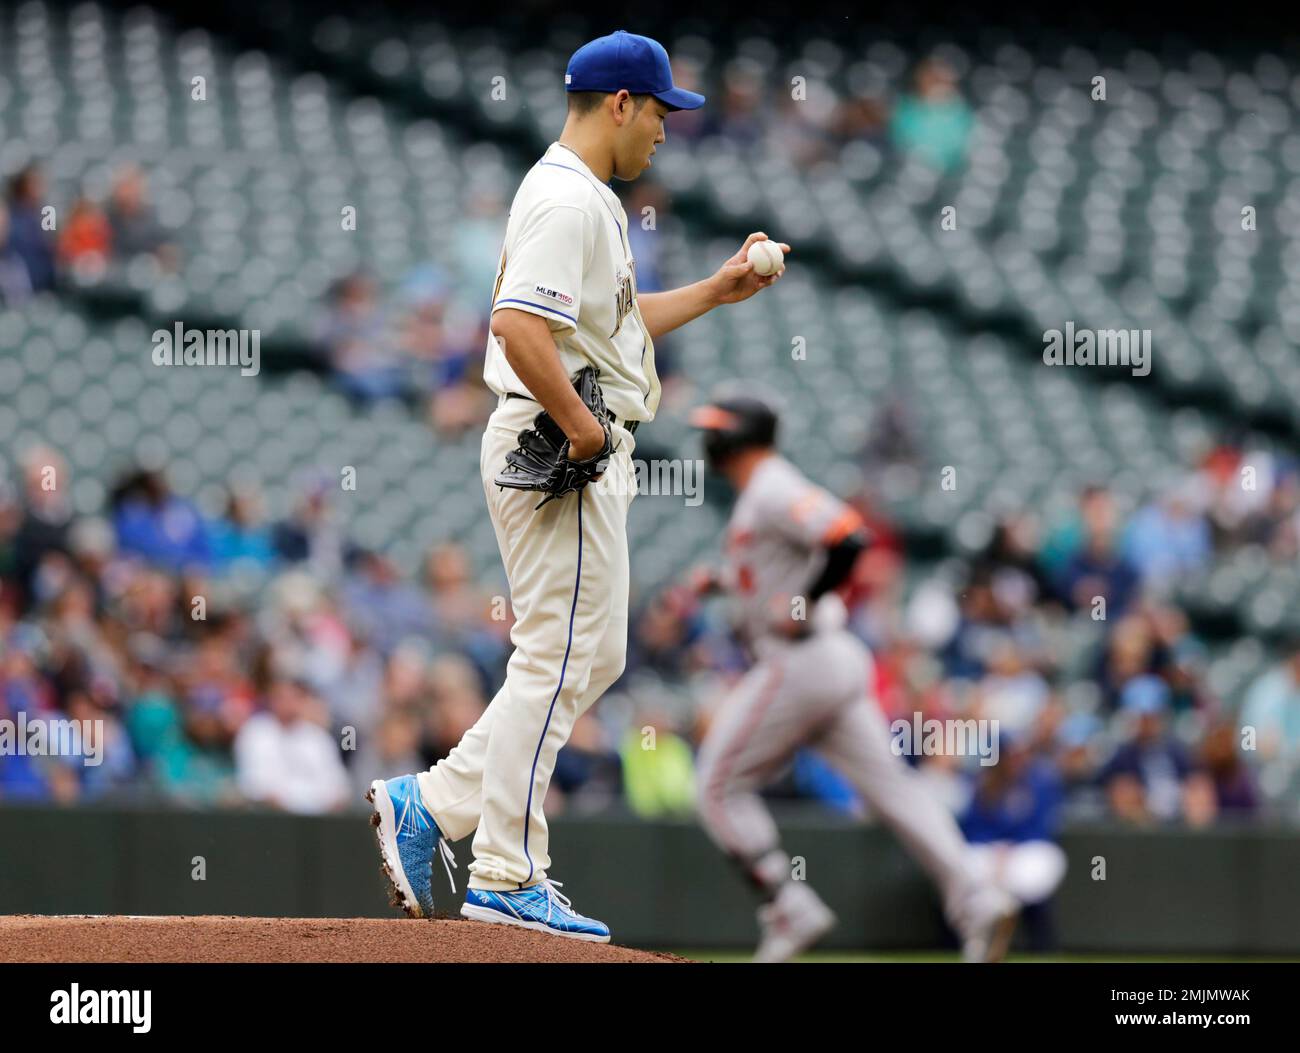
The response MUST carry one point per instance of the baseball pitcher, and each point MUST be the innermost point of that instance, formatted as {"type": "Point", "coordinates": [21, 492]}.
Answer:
{"type": "Point", "coordinates": [789, 544]}
{"type": "Point", "coordinates": [571, 357]}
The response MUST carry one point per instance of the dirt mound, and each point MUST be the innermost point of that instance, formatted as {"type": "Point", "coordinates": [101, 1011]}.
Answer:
{"type": "Point", "coordinates": [81, 938]}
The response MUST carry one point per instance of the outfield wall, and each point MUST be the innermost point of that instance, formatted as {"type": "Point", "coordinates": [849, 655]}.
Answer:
{"type": "Point", "coordinates": [656, 884]}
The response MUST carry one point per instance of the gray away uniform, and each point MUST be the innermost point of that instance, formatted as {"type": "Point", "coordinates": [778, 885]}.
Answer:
{"type": "Point", "coordinates": [814, 692]}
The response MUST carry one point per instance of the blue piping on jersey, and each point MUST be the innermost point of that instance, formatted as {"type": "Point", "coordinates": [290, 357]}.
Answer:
{"type": "Point", "coordinates": [542, 306]}
{"type": "Point", "coordinates": [621, 235]}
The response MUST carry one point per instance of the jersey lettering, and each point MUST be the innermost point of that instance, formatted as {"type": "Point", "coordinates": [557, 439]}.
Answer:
{"type": "Point", "coordinates": [624, 294]}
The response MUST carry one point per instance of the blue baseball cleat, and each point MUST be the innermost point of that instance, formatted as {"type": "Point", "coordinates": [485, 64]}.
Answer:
{"type": "Point", "coordinates": [537, 907]}
{"type": "Point", "coordinates": [408, 837]}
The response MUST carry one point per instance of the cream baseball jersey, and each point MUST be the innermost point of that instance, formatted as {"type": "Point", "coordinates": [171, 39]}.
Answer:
{"type": "Point", "coordinates": [567, 258]}
{"type": "Point", "coordinates": [776, 540]}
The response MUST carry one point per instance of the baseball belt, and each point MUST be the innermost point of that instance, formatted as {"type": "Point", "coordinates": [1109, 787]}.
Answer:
{"type": "Point", "coordinates": [629, 426]}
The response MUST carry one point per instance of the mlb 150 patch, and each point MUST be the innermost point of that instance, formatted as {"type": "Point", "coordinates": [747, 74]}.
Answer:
{"type": "Point", "coordinates": [554, 294]}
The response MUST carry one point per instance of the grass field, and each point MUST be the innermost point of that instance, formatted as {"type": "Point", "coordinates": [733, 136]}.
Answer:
{"type": "Point", "coordinates": [952, 957]}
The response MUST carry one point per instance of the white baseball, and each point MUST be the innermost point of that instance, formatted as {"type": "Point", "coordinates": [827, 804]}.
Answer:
{"type": "Point", "coordinates": [766, 256]}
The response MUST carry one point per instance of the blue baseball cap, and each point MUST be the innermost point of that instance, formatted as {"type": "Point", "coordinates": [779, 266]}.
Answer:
{"type": "Point", "coordinates": [626, 60]}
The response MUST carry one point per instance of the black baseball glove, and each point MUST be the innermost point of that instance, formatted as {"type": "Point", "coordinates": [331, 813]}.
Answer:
{"type": "Point", "coordinates": [541, 460]}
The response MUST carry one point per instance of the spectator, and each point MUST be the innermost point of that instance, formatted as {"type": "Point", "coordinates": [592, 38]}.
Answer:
{"type": "Point", "coordinates": [240, 538]}
{"type": "Point", "coordinates": [449, 373]}
{"type": "Point", "coordinates": [46, 514]}
{"type": "Point", "coordinates": [464, 615]}
{"type": "Point", "coordinates": [1009, 563]}
{"type": "Point", "coordinates": [106, 741]}
{"type": "Point", "coordinates": [1234, 786]}
{"type": "Point", "coordinates": [15, 282]}
{"type": "Point", "coordinates": [1131, 651]}
{"type": "Point", "coordinates": [1271, 714]}
{"type": "Point", "coordinates": [23, 690]}
{"type": "Point", "coordinates": [157, 525]}
{"type": "Point", "coordinates": [86, 241]}
{"type": "Point", "coordinates": [934, 122]}
{"type": "Point", "coordinates": [980, 629]}
{"type": "Point", "coordinates": [1150, 777]}
{"type": "Point", "coordinates": [135, 229]}
{"type": "Point", "coordinates": [310, 534]}
{"type": "Point", "coordinates": [93, 548]}
{"type": "Point", "coordinates": [658, 770]}
{"type": "Point", "coordinates": [1276, 526]}
{"type": "Point", "coordinates": [306, 633]}
{"type": "Point", "coordinates": [387, 608]}
{"type": "Point", "coordinates": [30, 236]}
{"type": "Point", "coordinates": [665, 633]}
{"type": "Point", "coordinates": [460, 606]}
{"type": "Point", "coordinates": [862, 118]}
{"type": "Point", "coordinates": [647, 208]}
{"type": "Point", "coordinates": [1169, 538]}
{"type": "Point", "coordinates": [285, 760]}
{"type": "Point", "coordinates": [1063, 541]}
{"type": "Point", "coordinates": [586, 770]}
{"type": "Point", "coordinates": [799, 129]}
{"type": "Point", "coordinates": [455, 702]}
{"type": "Point", "coordinates": [478, 236]}
{"type": "Point", "coordinates": [10, 516]}
{"type": "Point", "coordinates": [738, 116]}
{"type": "Point", "coordinates": [1098, 570]}
{"type": "Point", "coordinates": [356, 694]}
{"type": "Point", "coordinates": [175, 765]}
{"type": "Point", "coordinates": [1012, 693]}
{"type": "Point", "coordinates": [356, 340]}
{"type": "Point", "coordinates": [392, 750]}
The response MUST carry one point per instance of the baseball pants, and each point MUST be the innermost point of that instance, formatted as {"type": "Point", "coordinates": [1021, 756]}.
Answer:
{"type": "Point", "coordinates": [567, 565]}
{"type": "Point", "coordinates": [815, 693]}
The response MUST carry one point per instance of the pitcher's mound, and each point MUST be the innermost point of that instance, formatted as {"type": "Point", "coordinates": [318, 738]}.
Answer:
{"type": "Point", "coordinates": [81, 938]}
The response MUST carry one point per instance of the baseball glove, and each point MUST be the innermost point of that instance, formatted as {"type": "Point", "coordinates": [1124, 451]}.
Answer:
{"type": "Point", "coordinates": [541, 460]}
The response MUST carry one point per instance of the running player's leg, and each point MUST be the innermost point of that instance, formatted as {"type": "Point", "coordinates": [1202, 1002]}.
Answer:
{"type": "Point", "coordinates": [857, 742]}
{"type": "Point", "coordinates": [750, 737]}
{"type": "Point", "coordinates": [771, 712]}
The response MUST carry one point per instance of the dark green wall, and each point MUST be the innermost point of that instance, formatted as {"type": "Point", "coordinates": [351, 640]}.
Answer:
{"type": "Point", "coordinates": [656, 884]}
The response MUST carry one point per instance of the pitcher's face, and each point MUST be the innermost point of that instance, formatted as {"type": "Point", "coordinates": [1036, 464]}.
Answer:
{"type": "Point", "coordinates": [643, 131]}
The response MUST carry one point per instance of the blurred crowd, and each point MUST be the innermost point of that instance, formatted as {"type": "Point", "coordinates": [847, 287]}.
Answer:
{"type": "Point", "coordinates": [46, 244]}
{"type": "Point", "coordinates": [1070, 633]}
{"type": "Point", "coordinates": [228, 659]}
{"type": "Point", "coordinates": [235, 659]}
{"type": "Point", "coordinates": [423, 342]}
{"type": "Point", "coordinates": [931, 122]}
{"type": "Point", "coordinates": [418, 345]}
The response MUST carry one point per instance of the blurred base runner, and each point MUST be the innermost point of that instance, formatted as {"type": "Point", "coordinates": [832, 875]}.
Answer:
{"type": "Point", "coordinates": [789, 545]}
